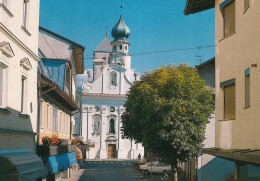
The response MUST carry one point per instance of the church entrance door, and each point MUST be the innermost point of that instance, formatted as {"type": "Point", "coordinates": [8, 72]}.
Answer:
{"type": "Point", "coordinates": [111, 151]}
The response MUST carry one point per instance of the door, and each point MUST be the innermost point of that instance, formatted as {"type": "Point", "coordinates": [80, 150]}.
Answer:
{"type": "Point", "coordinates": [111, 151]}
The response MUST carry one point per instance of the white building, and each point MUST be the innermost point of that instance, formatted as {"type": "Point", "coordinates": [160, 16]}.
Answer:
{"type": "Point", "coordinates": [103, 99]}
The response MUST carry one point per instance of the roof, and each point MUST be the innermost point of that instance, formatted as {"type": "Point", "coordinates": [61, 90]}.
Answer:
{"type": "Point", "coordinates": [205, 63]}
{"type": "Point", "coordinates": [104, 46]}
{"type": "Point", "coordinates": [78, 50]}
{"type": "Point", "coordinates": [241, 155]}
{"type": "Point", "coordinates": [195, 6]}
{"type": "Point", "coordinates": [61, 37]}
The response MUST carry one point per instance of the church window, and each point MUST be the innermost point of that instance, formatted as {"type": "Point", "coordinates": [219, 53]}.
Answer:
{"type": "Point", "coordinates": [112, 126]}
{"type": "Point", "coordinates": [120, 47]}
{"type": "Point", "coordinates": [112, 109]}
{"type": "Point", "coordinates": [125, 47]}
{"type": "Point", "coordinates": [113, 78]}
{"type": "Point", "coordinates": [115, 47]}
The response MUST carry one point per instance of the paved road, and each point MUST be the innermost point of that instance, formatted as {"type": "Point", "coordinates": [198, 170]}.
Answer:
{"type": "Point", "coordinates": [114, 171]}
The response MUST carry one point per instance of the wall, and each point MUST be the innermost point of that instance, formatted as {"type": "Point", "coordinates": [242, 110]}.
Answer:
{"type": "Point", "coordinates": [234, 55]}
{"type": "Point", "coordinates": [24, 45]}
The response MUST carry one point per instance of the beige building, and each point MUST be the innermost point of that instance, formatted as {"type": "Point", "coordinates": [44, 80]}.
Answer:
{"type": "Point", "coordinates": [237, 38]}
{"type": "Point", "coordinates": [19, 21]}
{"type": "Point", "coordinates": [62, 60]}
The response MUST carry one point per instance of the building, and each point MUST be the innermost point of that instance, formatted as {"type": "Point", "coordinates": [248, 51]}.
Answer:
{"type": "Point", "coordinates": [207, 167]}
{"type": "Point", "coordinates": [19, 23]}
{"type": "Point", "coordinates": [61, 60]}
{"type": "Point", "coordinates": [103, 99]}
{"type": "Point", "coordinates": [237, 86]}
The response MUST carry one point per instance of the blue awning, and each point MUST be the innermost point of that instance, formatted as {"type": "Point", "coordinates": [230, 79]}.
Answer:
{"type": "Point", "coordinates": [62, 162]}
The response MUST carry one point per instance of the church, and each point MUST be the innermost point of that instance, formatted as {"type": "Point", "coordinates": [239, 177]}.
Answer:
{"type": "Point", "coordinates": [104, 97]}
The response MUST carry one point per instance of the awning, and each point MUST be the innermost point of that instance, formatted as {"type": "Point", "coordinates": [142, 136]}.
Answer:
{"type": "Point", "coordinates": [61, 162]}
{"type": "Point", "coordinates": [237, 155]}
{"type": "Point", "coordinates": [20, 164]}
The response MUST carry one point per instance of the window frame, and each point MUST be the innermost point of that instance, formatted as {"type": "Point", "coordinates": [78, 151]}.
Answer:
{"type": "Point", "coordinates": [247, 88]}
{"type": "Point", "coordinates": [54, 118]}
{"type": "Point", "coordinates": [246, 5]}
{"type": "Point", "coordinates": [223, 85]}
{"type": "Point", "coordinates": [25, 13]}
{"type": "Point", "coordinates": [222, 6]}
{"type": "Point", "coordinates": [41, 115]}
{"type": "Point", "coordinates": [112, 128]}
{"type": "Point", "coordinates": [48, 117]}
{"type": "Point", "coordinates": [24, 82]}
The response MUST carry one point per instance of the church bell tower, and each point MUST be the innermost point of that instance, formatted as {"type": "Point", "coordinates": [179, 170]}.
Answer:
{"type": "Point", "coordinates": [120, 46]}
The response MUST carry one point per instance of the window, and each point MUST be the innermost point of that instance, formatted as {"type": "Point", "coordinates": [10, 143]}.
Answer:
{"type": "Point", "coordinates": [112, 126]}
{"type": "Point", "coordinates": [54, 119]}
{"type": "Point", "coordinates": [247, 88]}
{"type": "Point", "coordinates": [3, 86]}
{"type": "Point", "coordinates": [115, 47]}
{"type": "Point", "coordinates": [120, 47]}
{"type": "Point", "coordinates": [41, 114]}
{"type": "Point", "coordinates": [96, 126]}
{"type": "Point", "coordinates": [48, 117]}
{"type": "Point", "coordinates": [68, 125]}
{"type": "Point", "coordinates": [60, 122]}
{"type": "Point", "coordinates": [229, 102]}
{"type": "Point", "coordinates": [23, 95]}
{"type": "Point", "coordinates": [246, 5]}
{"type": "Point", "coordinates": [125, 47]}
{"type": "Point", "coordinates": [64, 123]}
{"type": "Point", "coordinates": [228, 12]}
{"type": "Point", "coordinates": [25, 13]}
{"type": "Point", "coordinates": [67, 87]}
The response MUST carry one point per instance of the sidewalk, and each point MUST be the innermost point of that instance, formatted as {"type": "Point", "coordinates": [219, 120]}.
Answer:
{"type": "Point", "coordinates": [75, 175]}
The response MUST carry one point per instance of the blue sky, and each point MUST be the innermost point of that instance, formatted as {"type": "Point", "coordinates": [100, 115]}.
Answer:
{"type": "Point", "coordinates": [155, 25]}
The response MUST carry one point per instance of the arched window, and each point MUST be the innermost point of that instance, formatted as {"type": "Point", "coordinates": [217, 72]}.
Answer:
{"type": "Point", "coordinates": [115, 47]}
{"type": "Point", "coordinates": [113, 78]}
{"type": "Point", "coordinates": [112, 126]}
{"type": "Point", "coordinates": [125, 47]}
{"type": "Point", "coordinates": [120, 47]}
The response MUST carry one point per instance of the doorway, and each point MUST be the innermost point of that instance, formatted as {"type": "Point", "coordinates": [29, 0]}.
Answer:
{"type": "Point", "coordinates": [111, 151]}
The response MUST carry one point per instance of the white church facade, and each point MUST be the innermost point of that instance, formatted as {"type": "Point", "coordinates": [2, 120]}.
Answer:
{"type": "Point", "coordinates": [104, 97]}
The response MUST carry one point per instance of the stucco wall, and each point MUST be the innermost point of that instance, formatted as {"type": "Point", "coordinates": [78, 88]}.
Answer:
{"type": "Point", "coordinates": [235, 54]}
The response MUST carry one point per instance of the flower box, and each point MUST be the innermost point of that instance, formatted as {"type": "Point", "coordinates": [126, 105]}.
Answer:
{"type": "Point", "coordinates": [43, 150]}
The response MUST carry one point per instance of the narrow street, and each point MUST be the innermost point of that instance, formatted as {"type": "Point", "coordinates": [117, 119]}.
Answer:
{"type": "Point", "coordinates": [114, 171]}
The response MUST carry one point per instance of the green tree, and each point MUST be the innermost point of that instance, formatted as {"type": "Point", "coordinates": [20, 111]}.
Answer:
{"type": "Point", "coordinates": [167, 111]}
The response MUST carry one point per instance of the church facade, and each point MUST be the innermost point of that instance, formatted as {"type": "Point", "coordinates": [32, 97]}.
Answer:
{"type": "Point", "coordinates": [104, 97]}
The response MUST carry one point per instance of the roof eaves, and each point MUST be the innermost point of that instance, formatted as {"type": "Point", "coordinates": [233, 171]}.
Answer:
{"type": "Point", "coordinates": [195, 6]}
{"type": "Point", "coordinates": [61, 37]}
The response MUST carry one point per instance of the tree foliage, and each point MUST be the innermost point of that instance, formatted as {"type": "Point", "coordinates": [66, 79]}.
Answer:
{"type": "Point", "coordinates": [167, 111]}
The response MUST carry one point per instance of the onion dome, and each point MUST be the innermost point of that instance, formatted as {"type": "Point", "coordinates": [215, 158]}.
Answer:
{"type": "Point", "coordinates": [120, 31]}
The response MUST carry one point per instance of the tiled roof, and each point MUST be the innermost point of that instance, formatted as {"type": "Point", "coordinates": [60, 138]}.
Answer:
{"type": "Point", "coordinates": [104, 46]}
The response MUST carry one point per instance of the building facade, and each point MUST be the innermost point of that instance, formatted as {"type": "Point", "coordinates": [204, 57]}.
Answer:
{"type": "Point", "coordinates": [61, 60]}
{"type": "Point", "coordinates": [103, 99]}
{"type": "Point", "coordinates": [19, 21]}
{"type": "Point", "coordinates": [237, 85]}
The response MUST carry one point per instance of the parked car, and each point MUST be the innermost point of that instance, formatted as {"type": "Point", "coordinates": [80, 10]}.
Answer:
{"type": "Point", "coordinates": [155, 168]}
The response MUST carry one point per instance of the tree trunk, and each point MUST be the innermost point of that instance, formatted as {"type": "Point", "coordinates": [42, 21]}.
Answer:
{"type": "Point", "coordinates": [174, 176]}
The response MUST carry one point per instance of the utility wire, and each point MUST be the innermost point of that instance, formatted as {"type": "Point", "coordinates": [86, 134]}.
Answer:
{"type": "Point", "coordinates": [165, 51]}
{"type": "Point", "coordinates": [157, 52]}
